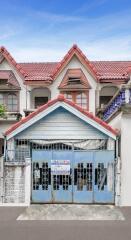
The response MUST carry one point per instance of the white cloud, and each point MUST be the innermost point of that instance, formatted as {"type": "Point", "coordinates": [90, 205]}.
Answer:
{"type": "Point", "coordinates": [105, 37]}
{"type": "Point", "coordinates": [105, 49]}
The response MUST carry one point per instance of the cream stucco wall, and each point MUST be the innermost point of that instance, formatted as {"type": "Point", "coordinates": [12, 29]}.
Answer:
{"type": "Point", "coordinates": [75, 63]}
{"type": "Point", "coordinates": [6, 66]}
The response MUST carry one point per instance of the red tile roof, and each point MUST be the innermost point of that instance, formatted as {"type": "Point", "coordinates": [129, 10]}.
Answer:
{"type": "Point", "coordinates": [12, 61]}
{"type": "Point", "coordinates": [61, 99]}
{"type": "Point", "coordinates": [103, 71]}
{"type": "Point", "coordinates": [115, 70]}
{"type": "Point", "coordinates": [39, 71]}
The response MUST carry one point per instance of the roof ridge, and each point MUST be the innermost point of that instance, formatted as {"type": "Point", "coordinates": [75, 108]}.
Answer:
{"type": "Point", "coordinates": [38, 62]}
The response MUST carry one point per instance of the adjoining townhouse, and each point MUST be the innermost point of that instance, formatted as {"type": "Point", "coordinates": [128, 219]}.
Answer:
{"type": "Point", "coordinates": [58, 150]}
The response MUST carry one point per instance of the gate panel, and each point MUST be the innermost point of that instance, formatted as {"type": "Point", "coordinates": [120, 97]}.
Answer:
{"type": "Point", "coordinates": [89, 180]}
{"type": "Point", "coordinates": [41, 176]}
{"type": "Point", "coordinates": [83, 177]}
{"type": "Point", "coordinates": [104, 177]}
{"type": "Point", "coordinates": [62, 184]}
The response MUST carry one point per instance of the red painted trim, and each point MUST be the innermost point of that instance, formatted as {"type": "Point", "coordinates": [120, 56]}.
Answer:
{"type": "Point", "coordinates": [61, 98]}
{"type": "Point", "coordinates": [11, 60]}
{"type": "Point", "coordinates": [75, 51]}
{"type": "Point", "coordinates": [77, 72]}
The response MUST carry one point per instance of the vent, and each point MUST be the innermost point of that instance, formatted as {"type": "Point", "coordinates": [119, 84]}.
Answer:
{"type": "Point", "coordinates": [74, 80]}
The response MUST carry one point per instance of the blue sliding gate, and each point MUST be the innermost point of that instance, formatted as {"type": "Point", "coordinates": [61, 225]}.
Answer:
{"type": "Point", "coordinates": [67, 176]}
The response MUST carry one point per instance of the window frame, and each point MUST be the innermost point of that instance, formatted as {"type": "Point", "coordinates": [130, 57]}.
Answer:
{"type": "Point", "coordinates": [74, 97]}
{"type": "Point", "coordinates": [6, 101]}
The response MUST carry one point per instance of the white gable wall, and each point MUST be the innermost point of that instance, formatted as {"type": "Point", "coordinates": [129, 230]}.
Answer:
{"type": "Point", "coordinates": [75, 63]}
{"type": "Point", "coordinates": [116, 122]}
{"type": "Point", "coordinates": [6, 66]}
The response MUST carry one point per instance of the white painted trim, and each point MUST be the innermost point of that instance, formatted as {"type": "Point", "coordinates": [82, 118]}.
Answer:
{"type": "Point", "coordinates": [68, 108]}
{"type": "Point", "coordinates": [14, 205]}
{"type": "Point", "coordinates": [33, 120]}
{"type": "Point", "coordinates": [89, 120]}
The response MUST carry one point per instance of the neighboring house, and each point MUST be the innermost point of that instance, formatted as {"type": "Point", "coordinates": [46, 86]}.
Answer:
{"type": "Point", "coordinates": [61, 151]}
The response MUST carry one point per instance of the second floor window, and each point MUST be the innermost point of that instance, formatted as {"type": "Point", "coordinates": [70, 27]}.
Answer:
{"type": "Point", "coordinates": [10, 101]}
{"type": "Point", "coordinates": [1, 99]}
{"type": "Point", "coordinates": [80, 98]}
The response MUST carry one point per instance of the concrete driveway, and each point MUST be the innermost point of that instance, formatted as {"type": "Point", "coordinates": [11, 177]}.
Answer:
{"type": "Point", "coordinates": [62, 230]}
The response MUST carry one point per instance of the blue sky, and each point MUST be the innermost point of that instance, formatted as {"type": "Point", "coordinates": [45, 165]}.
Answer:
{"type": "Point", "coordinates": [44, 30]}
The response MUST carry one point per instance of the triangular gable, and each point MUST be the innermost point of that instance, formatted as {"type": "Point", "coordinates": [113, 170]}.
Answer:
{"type": "Point", "coordinates": [78, 73]}
{"type": "Point", "coordinates": [4, 54]}
{"type": "Point", "coordinates": [9, 76]}
{"type": "Point", "coordinates": [68, 105]}
{"type": "Point", "coordinates": [75, 51]}
{"type": "Point", "coordinates": [61, 124]}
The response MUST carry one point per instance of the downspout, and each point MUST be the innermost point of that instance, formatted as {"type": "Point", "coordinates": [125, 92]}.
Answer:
{"type": "Point", "coordinates": [2, 171]}
{"type": "Point", "coordinates": [117, 174]}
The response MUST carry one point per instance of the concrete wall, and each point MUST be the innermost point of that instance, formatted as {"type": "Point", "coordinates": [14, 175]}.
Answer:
{"type": "Point", "coordinates": [126, 160]}
{"type": "Point", "coordinates": [38, 92]}
{"type": "Point", "coordinates": [116, 122]}
{"type": "Point", "coordinates": [108, 91]}
{"type": "Point", "coordinates": [123, 178]}
{"type": "Point", "coordinates": [14, 180]}
{"type": "Point", "coordinates": [1, 180]}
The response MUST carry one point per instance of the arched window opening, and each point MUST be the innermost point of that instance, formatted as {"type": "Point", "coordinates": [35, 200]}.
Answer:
{"type": "Point", "coordinates": [106, 95]}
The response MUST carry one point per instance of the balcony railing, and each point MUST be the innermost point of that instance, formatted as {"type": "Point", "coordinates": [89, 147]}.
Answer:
{"type": "Point", "coordinates": [121, 98]}
{"type": "Point", "coordinates": [13, 116]}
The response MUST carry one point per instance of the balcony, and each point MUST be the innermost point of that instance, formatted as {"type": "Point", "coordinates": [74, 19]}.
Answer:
{"type": "Point", "coordinates": [122, 97]}
{"type": "Point", "coordinates": [11, 116]}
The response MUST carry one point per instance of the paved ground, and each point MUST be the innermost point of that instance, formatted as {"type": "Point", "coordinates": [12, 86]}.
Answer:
{"type": "Point", "coordinates": [10, 229]}
{"type": "Point", "coordinates": [71, 212]}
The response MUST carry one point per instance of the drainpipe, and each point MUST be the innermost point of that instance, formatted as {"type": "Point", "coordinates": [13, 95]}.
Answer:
{"type": "Point", "coordinates": [2, 172]}
{"type": "Point", "coordinates": [117, 174]}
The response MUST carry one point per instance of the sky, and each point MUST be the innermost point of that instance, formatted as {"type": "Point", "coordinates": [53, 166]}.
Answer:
{"type": "Point", "coordinates": [44, 30]}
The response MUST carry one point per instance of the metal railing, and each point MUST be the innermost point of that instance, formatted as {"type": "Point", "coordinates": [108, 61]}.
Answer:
{"type": "Point", "coordinates": [23, 148]}
{"type": "Point", "coordinates": [123, 97]}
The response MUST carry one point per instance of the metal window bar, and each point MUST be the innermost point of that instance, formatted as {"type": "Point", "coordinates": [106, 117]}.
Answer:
{"type": "Point", "coordinates": [22, 148]}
